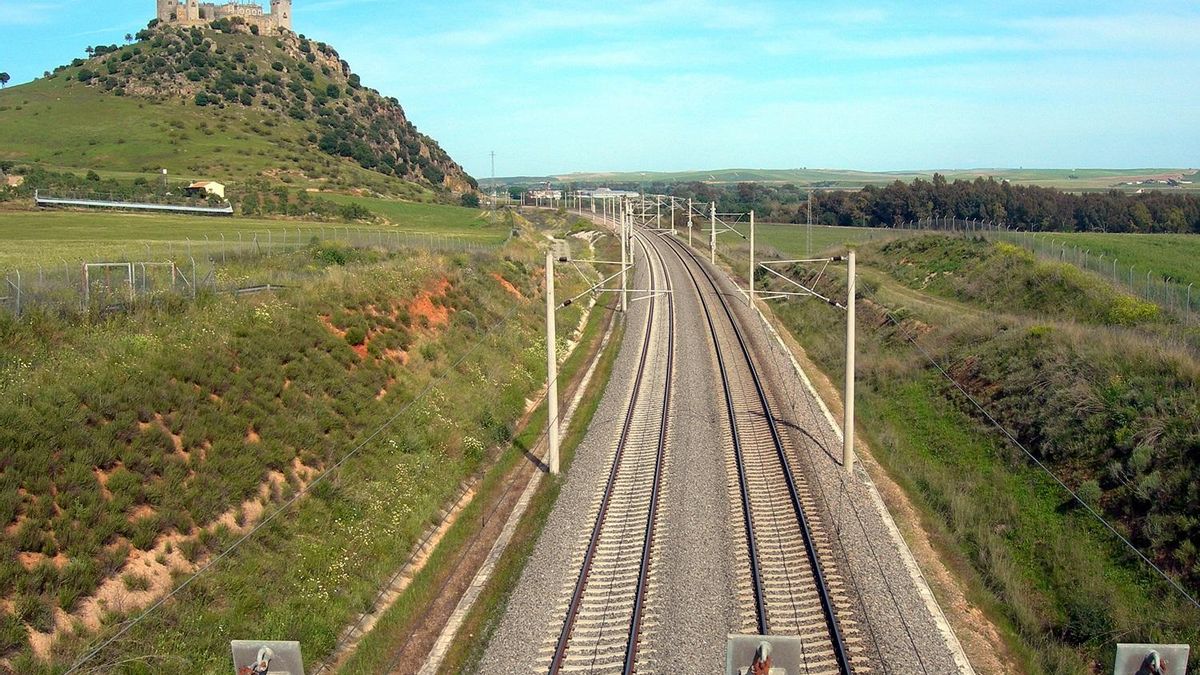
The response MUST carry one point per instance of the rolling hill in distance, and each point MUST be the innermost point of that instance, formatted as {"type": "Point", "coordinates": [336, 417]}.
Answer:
{"type": "Point", "coordinates": [224, 104]}
{"type": "Point", "coordinates": [1066, 179]}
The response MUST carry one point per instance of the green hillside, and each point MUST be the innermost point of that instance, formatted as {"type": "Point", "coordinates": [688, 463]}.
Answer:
{"type": "Point", "coordinates": [1095, 383]}
{"type": "Point", "coordinates": [222, 103]}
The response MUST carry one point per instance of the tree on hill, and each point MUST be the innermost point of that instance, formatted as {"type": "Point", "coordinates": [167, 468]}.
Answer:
{"type": "Point", "coordinates": [129, 37]}
{"type": "Point", "coordinates": [4, 78]}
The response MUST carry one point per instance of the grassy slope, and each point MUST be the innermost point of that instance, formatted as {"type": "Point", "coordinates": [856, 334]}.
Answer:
{"type": "Point", "coordinates": [48, 237]}
{"type": "Point", "coordinates": [1087, 178]}
{"type": "Point", "coordinates": [1060, 587]}
{"type": "Point", "coordinates": [333, 550]}
{"type": "Point", "coordinates": [377, 648]}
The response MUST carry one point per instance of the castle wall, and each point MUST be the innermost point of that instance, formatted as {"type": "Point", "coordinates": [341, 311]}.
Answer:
{"type": "Point", "coordinates": [196, 13]}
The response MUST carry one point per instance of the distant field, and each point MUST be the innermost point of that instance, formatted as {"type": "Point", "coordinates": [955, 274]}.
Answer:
{"type": "Point", "coordinates": [1084, 179]}
{"type": "Point", "coordinates": [428, 217]}
{"type": "Point", "coordinates": [29, 238]}
{"type": "Point", "coordinates": [1174, 255]}
{"type": "Point", "coordinates": [792, 240]}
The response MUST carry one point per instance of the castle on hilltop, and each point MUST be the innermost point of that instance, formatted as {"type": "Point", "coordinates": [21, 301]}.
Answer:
{"type": "Point", "coordinates": [196, 13]}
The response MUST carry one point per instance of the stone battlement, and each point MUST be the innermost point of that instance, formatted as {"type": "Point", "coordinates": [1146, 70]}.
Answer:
{"type": "Point", "coordinates": [196, 13]}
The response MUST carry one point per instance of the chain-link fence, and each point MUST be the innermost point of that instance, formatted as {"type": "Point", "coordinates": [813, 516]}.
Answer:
{"type": "Point", "coordinates": [115, 277]}
{"type": "Point", "coordinates": [1162, 290]}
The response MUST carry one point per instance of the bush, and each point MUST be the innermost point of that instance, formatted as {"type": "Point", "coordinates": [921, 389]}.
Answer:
{"type": "Point", "coordinates": [135, 582]}
{"type": "Point", "coordinates": [145, 532]}
{"type": "Point", "coordinates": [12, 633]}
{"type": "Point", "coordinates": [35, 611]}
{"type": "Point", "coordinates": [351, 212]}
{"type": "Point", "coordinates": [356, 335]}
{"type": "Point", "coordinates": [1090, 493]}
{"type": "Point", "coordinates": [1127, 310]}
{"type": "Point", "coordinates": [470, 200]}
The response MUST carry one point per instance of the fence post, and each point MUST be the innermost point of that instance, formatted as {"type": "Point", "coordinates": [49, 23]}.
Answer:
{"type": "Point", "coordinates": [18, 292]}
{"type": "Point", "coordinates": [222, 248]}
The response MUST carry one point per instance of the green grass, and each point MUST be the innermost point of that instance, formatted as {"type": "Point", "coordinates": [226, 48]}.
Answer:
{"type": "Point", "coordinates": [792, 240]}
{"type": "Point", "coordinates": [1173, 255]}
{"type": "Point", "coordinates": [428, 218]}
{"type": "Point", "coordinates": [49, 237]}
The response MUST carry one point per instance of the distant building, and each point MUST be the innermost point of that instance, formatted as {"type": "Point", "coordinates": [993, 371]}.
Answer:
{"type": "Point", "coordinates": [607, 193]}
{"type": "Point", "coordinates": [196, 13]}
{"type": "Point", "coordinates": [204, 188]}
{"type": "Point", "coordinates": [545, 192]}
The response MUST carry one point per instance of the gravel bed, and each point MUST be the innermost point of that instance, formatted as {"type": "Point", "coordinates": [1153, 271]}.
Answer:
{"type": "Point", "coordinates": [537, 606]}
{"type": "Point", "coordinates": [693, 598]}
{"type": "Point", "coordinates": [691, 605]}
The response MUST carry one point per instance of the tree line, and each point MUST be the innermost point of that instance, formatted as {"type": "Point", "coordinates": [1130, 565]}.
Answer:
{"type": "Point", "coordinates": [1018, 206]}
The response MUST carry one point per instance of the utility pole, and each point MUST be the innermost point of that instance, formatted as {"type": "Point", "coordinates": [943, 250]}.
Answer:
{"type": "Point", "coordinates": [624, 264]}
{"type": "Point", "coordinates": [493, 180]}
{"type": "Point", "coordinates": [809, 245]}
{"type": "Point", "coordinates": [551, 365]}
{"type": "Point", "coordinates": [689, 223]}
{"type": "Point", "coordinates": [750, 276]}
{"type": "Point", "coordinates": [712, 233]}
{"type": "Point", "coordinates": [848, 421]}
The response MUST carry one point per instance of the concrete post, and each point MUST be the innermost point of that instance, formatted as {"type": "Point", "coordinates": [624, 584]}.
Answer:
{"type": "Point", "coordinates": [689, 223]}
{"type": "Point", "coordinates": [848, 422]}
{"type": "Point", "coordinates": [551, 366]}
{"type": "Point", "coordinates": [624, 265]}
{"type": "Point", "coordinates": [750, 275]}
{"type": "Point", "coordinates": [712, 233]}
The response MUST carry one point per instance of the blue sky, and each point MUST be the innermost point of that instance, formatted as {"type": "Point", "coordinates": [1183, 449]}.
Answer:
{"type": "Point", "coordinates": [565, 86]}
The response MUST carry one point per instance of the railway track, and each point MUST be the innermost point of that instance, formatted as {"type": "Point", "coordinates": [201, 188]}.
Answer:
{"type": "Point", "coordinates": [788, 579]}
{"type": "Point", "coordinates": [605, 609]}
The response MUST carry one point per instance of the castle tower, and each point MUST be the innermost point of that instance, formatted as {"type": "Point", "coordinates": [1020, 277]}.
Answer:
{"type": "Point", "coordinates": [166, 9]}
{"type": "Point", "coordinates": [281, 13]}
{"type": "Point", "coordinates": [193, 11]}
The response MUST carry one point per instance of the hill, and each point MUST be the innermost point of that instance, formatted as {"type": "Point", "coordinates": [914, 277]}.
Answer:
{"type": "Point", "coordinates": [222, 102]}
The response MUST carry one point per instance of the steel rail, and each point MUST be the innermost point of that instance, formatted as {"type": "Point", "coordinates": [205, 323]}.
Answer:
{"type": "Point", "coordinates": [635, 623]}
{"type": "Point", "coordinates": [815, 564]}
{"type": "Point", "coordinates": [562, 644]}
{"type": "Point", "coordinates": [747, 513]}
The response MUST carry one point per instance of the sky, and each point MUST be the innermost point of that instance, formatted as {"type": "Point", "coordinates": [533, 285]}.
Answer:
{"type": "Point", "coordinates": [668, 85]}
